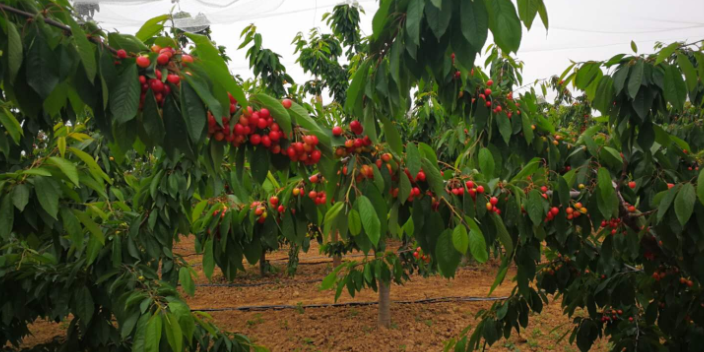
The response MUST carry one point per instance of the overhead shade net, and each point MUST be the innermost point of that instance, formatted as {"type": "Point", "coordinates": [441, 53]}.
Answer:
{"type": "Point", "coordinates": [188, 15]}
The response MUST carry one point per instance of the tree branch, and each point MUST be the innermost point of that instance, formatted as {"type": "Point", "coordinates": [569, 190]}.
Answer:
{"type": "Point", "coordinates": [56, 24]}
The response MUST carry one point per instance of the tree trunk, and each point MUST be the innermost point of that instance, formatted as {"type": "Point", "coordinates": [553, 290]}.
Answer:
{"type": "Point", "coordinates": [384, 304]}
{"type": "Point", "coordinates": [336, 259]}
{"type": "Point", "coordinates": [262, 263]}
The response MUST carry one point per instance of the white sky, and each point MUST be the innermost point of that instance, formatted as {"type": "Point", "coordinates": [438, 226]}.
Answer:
{"type": "Point", "coordinates": [580, 30]}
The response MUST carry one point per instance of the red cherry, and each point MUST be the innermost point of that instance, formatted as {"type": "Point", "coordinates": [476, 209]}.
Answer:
{"type": "Point", "coordinates": [286, 103]}
{"type": "Point", "coordinates": [420, 176]}
{"type": "Point", "coordinates": [280, 209]}
{"type": "Point", "coordinates": [121, 54]}
{"type": "Point", "coordinates": [219, 136]}
{"type": "Point", "coordinates": [173, 79]}
{"type": "Point", "coordinates": [487, 91]}
{"type": "Point", "coordinates": [337, 131]}
{"type": "Point", "coordinates": [255, 139]}
{"type": "Point", "coordinates": [469, 184]}
{"type": "Point", "coordinates": [544, 189]}
{"type": "Point", "coordinates": [488, 103]}
{"type": "Point", "coordinates": [313, 179]}
{"type": "Point", "coordinates": [143, 61]}
{"type": "Point", "coordinates": [186, 58]}
{"type": "Point", "coordinates": [670, 185]}
{"type": "Point", "coordinates": [632, 184]}
{"type": "Point", "coordinates": [493, 200]}
{"type": "Point", "coordinates": [162, 59]}
{"type": "Point", "coordinates": [313, 194]}
{"type": "Point", "coordinates": [480, 189]}
{"type": "Point", "coordinates": [274, 200]}
{"type": "Point", "coordinates": [554, 211]}
{"type": "Point", "coordinates": [156, 85]}
{"type": "Point", "coordinates": [264, 113]}
{"type": "Point", "coordinates": [489, 83]}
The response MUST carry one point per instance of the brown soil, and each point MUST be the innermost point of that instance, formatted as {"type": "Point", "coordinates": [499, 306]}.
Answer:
{"type": "Point", "coordinates": [415, 327]}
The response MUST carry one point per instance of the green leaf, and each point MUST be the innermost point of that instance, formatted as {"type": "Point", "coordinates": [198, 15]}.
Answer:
{"type": "Point", "coordinates": [193, 111]}
{"type": "Point", "coordinates": [72, 227]}
{"type": "Point", "coordinates": [684, 203]}
{"type": "Point", "coordinates": [530, 168]}
{"type": "Point", "coordinates": [392, 136]}
{"type": "Point", "coordinates": [184, 278]}
{"type": "Point", "coordinates": [412, 158]}
{"type": "Point", "coordinates": [674, 90]}
{"type": "Point", "coordinates": [152, 120]}
{"type": "Point", "coordinates": [354, 222]}
{"type": "Point", "coordinates": [205, 95]}
{"type": "Point", "coordinates": [20, 196]}
{"type": "Point", "coordinates": [126, 41]}
{"type": "Point", "coordinates": [687, 68]}
{"type": "Point", "coordinates": [216, 68]}
{"type": "Point", "coordinates": [446, 255]}
{"type": "Point", "coordinates": [606, 187]}
{"type": "Point", "coordinates": [67, 167]}
{"type": "Point", "coordinates": [124, 98]}
{"type": "Point", "coordinates": [438, 16]}
{"type": "Point", "coordinates": [666, 52]}
{"type": "Point", "coordinates": [301, 117]}
{"type": "Point", "coordinates": [502, 234]}
{"type": "Point", "coordinates": [48, 193]}
{"type": "Point", "coordinates": [535, 208]}
{"type": "Point", "coordinates": [277, 110]}
{"type": "Point", "coordinates": [370, 219]}
{"type": "Point", "coordinates": [666, 202]}
{"type": "Point", "coordinates": [90, 162]}
{"type": "Point", "coordinates": [330, 217]}
{"type": "Point", "coordinates": [700, 186]}
{"type": "Point", "coordinates": [527, 128]}
{"type": "Point", "coordinates": [83, 303]}
{"type": "Point", "coordinates": [208, 259]}
{"type": "Point", "coordinates": [404, 187]}
{"type": "Point", "coordinates": [7, 217]}
{"type": "Point", "coordinates": [504, 127]}
{"type": "Point", "coordinates": [128, 325]}
{"type": "Point", "coordinates": [527, 9]}
{"type": "Point", "coordinates": [635, 79]}
{"type": "Point", "coordinates": [460, 239]}
{"type": "Point", "coordinates": [634, 47]}
{"type": "Point", "coordinates": [475, 25]}
{"type": "Point", "coordinates": [414, 17]}
{"type": "Point", "coordinates": [42, 67]}
{"type": "Point", "coordinates": [91, 225]}
{"type": "Point", "coordinates": [153, 333]}
{"type": "Point", "coordinates": [152, 27]}
{"type": "Point", "coordinates": [174, 334]}
{"type": "Point", "coordinates": [433, 177]}
{"type": "Point", "coordinates": [505, 25]}
{"type": "Point", "coordinates": [11, 124]}
{"type": "Point", "coordinates": [486, 162]}
{"type": "Point", "coordinates": [85, 50]}
{"type": "Point", "coordinates": [14, 48]}
{"type": "Point", "coordinates": [380, 18]}
{"type": "Point", "coordinates": [477, 245]}
{"type": "Point", "coordinates": [428, 152]}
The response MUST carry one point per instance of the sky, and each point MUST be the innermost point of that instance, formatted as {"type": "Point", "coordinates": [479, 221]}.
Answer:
{"type": "Point", "coordinates": [579, 30]}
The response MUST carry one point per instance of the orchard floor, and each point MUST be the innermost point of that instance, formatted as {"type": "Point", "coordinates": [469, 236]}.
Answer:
{"type": "Point", "coordinates": [415, 327]}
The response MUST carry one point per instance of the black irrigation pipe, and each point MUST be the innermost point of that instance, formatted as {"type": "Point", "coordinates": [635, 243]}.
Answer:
{"type": "Point", "coordinates": [351, 304]}
{"type": "Point", "coordinates": [265, 283]}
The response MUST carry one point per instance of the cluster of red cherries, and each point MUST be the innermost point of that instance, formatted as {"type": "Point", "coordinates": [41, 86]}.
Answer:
{"type": "Point", "coordinates": [418, 254]}
{"type": "Point", "coordinates": [355, 144]}
{"type": "Point", "coordinates": [253, 127]}
{"type": "Point", "coordinates": [614, 224]}
{"type": "Point", "coordinates": [306, 151]}
{"type": "Point", "coordinates": [157, 85]}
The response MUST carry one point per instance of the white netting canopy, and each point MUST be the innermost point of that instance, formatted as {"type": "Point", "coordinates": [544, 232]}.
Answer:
{"type": "Point", "coordinates": [189, 15]}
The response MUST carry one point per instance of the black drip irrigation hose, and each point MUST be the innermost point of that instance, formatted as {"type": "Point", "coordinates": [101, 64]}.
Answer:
{"type": "Point", "coordinates": [350, 304]}
{"type": "Point", "coordinates": [265, 283]}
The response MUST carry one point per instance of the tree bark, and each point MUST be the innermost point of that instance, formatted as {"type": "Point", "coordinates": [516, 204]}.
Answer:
{"type": "Point", "coordinates": [262, 263]}
{"type": "Point", "coordinates": [384, 304]}
{"type": "Point", "coordinates": [336, 259]}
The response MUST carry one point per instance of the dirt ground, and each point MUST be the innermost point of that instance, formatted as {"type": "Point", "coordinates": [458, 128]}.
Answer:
{"type": "Point", "coordinates": [415, 327]}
